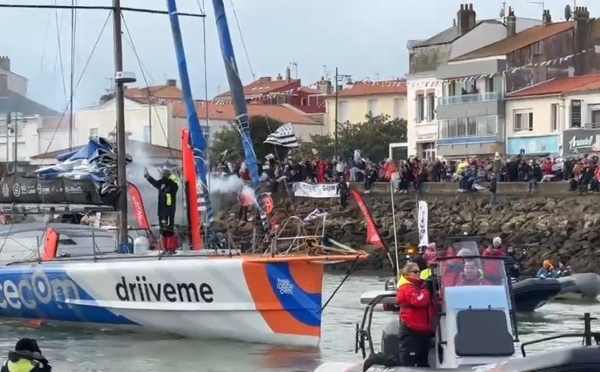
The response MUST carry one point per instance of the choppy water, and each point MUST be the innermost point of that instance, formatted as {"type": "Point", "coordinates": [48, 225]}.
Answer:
{"type": "Point", "coordinates": [72, 350]}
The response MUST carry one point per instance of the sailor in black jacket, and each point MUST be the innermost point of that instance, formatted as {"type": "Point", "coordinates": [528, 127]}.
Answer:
{"type": "Point", "coordinates": [167, 192]}
{"type": "Point", "coordinates": [27, 357]}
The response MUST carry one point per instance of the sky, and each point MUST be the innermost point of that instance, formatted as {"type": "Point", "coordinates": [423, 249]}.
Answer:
{"type": "Point", "coordinates": [365, 39]}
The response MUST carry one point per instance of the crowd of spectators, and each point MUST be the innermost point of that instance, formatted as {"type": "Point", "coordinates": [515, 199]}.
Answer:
{"type": "Point", "coordinates": [582, 173]}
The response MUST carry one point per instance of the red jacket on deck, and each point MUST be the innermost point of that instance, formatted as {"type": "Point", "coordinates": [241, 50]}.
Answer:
{"type": "Point", "coordinates": [416, 311]}
{"type": "Point", "coordinates": [493, 267]}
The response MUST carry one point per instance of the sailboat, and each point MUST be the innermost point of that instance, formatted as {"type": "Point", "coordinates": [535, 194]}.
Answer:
{"type": "Point", "coordinates": [203, 293]}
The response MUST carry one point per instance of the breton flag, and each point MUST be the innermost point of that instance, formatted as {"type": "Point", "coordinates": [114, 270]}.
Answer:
{"type": "Point", "coordinates": [283, 136]}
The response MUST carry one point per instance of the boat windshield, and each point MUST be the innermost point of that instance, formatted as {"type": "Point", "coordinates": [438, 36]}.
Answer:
{"type": "Point", "coordinates": [469, 270]}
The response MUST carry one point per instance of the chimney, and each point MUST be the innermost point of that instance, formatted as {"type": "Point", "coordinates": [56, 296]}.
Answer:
{"type": "Point", "coordinates": [546, 17]}
{"type": "Point", "coordinates": [325, 86]}
{"type": "Point", "coordinates": [264, 79]}
{"type": "Point", "coordinates": [583, 39]}
{"type": "Point", "coordinates": [171, 82]}
{"type": "Point", "coordinates": [288, 75]}
{"type": "Point", "coordinates": [511, 23]}
{"type": "Point", "coordinates": [3, 86]}
{"type": "Point", "coordinates": [466, 18]}
{"type": "Point", "coordinates": [279, 77]}
{"type": "Point", "coordinates": [5, 63]}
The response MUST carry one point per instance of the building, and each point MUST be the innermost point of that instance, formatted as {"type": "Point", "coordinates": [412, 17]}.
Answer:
{"type": "Point", "coordinates": [285, 90]}
{"type": "Point", "coordinates": [15, 82]}
{"type": "Point", "coordinates": [559, 116]}
{"type": "Point", "coordinates": [222, 115]}
{"type": "Point", "coordinates": [361, 98]}
{"type": "Point", "coordinates": [425, 56]}
{"type": "Point", "coordinates": [471, 113]}
{"type": "Point", "coordinates": [156, 115]}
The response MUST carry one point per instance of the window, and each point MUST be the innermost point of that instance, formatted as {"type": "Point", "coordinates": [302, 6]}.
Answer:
{"type": "Point", "coordinates": [372, 107]}
{"type": "Point", "coordinates": [489, 84]}
{"type": "Point", "coordinates": [523, 122]}
{"type": "Point", "coordinates": [420, 108]}
{"type": "Point", "coordinates": [397, 108]}
{"type": "Point", "coordinates": [596, 118]}
{"type": "Point", "coordinates": [303, 101]}
{"type": "Point", "coordinates": [343, 112]}
{"type": "Point", "coordinates": [469, 127]}
{"type": "Point", "coordinates": [554, 118]}
{"type": "Point", "coordinates": [93, 132]}
{"type": "Point", "coordinates": [452, 89]}
{"type": "Point", "coordinates": [430, 106]}
{"type": "Point", "coordinates": [147, 134]}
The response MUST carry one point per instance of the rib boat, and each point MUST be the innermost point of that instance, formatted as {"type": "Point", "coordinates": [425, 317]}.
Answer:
{"type": "Point", "coordinates": [212, 291]}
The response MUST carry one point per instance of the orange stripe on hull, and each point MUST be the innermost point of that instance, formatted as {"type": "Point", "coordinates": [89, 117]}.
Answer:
{"type": "Point", "coordinates": [277, 318]}
{"type": "Point", "coordinates": [309, 277]}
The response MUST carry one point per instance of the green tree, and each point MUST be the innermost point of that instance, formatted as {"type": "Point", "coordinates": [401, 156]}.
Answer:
{"type": "Point", "coordinates": [372, 137]}
{"type": "Point", "coordinates": [230, 139]}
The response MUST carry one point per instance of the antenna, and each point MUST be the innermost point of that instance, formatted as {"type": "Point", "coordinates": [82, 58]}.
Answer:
{"type": "Point", "coordinates": [503, 10]}
{"type": "Point", "coordinates": [295, 66]}
{"type": "Point", "coordinates": [542, 3]}
{"type": "Point", "coordinates": [326, 72]}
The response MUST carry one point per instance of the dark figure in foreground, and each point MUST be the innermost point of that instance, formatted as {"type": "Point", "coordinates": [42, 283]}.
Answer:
{"type": "Point", "coordinates": [27, 357]}
{"type": "Point", "coordinates": [167, 192]}
{"type": "Point", "coordinates": [343, 191]}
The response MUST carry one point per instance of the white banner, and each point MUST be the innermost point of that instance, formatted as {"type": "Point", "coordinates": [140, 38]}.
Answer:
{"type": "Point", "coordinates": [422, 221]}
{"type": "Point", "coordinates": [315, 190]}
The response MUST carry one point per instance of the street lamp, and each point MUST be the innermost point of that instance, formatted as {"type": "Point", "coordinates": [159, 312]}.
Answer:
{"type": "Point", "coordinates": [338, 79]}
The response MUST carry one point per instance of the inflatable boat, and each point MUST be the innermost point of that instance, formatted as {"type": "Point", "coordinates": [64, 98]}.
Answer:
{"type": "Point", "coordinates": [475, 330]}
{"type": "Point", "coordinates": [584, 286]}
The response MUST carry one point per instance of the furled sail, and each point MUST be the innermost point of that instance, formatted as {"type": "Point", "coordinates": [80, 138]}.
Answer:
{"type": "Point", "coordinates": [190, 187]}
{"type": "Point", "coordinates": [239, 102]}
{"type": "Point", "coordinates": [197, 139]}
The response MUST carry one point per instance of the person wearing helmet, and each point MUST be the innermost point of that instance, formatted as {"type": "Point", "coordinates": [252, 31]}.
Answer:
{"type": "Point", "coordinates": [167, 193]}
{"type": "Point", "coordinates": [27, 357]}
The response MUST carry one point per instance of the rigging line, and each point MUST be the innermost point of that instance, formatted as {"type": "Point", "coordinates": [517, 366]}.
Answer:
{"type": "Point", "coordinates": [60, 59]}
{"type": "Point", "coordinates": [44, 49]}
{"type": "Point", "coordinates": [72, 75]}
{"type": "Point", "coordinates": [98, 7]}
{"type": "Point", "coordinates": [85, 66]}
{"type": "Point", "coordinates": [129, 40]}
{"type": "Point", "coordinates": [237, 22]}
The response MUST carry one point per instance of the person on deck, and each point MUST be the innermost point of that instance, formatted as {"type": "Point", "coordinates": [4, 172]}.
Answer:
{"type": "Point", "coordinates": [490, 267]}
{"type": "Point", "coordinates": [472, 274]}
{"type": "Point", "coordinates": [511, 264]}
{"type": "Point", "coordinates": [547, 271]}
{"type": "Point", "coordinates": [416, 317]}
{"type": "Point", "coordinates": [167, 192]}
{"type": "Point", "coordinates": [27, 357]}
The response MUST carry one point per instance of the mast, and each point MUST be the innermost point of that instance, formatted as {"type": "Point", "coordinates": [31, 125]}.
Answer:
{"type": "Point", "coordinates": [120, 130]}
{"type": "Point", "coordinates": [198, 141]}
{"type": "Point", "coordinates": [239, 103]}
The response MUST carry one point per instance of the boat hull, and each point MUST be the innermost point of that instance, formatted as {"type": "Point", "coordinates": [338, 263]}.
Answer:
{"type": "Point", "coordinates": [579, 287]}
{"type": "Point", "coordinates": [242, 299]}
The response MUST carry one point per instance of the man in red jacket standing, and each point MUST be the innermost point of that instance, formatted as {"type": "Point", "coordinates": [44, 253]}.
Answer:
{"type": "Point", "coordinates": [416, 317]}
{"type": "Point", "coordinates": [493, 268]}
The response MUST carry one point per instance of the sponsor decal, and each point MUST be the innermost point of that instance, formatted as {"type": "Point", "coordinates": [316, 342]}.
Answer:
{"type": "Point", "coordinates": [35, 290]}
{"type": "Point", "coordinates": [142, 290]}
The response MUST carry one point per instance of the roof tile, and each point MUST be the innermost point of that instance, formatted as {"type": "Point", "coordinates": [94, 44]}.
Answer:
{"type": "Point", "coordinates": [375, 88]}
{"type": "Point", "coordinates": [520, 40]}
{"type": "Point", "coordinates": [265, 85]}
{"type": "Point", "coordinates": [559, 86]}
{"type": "Point", "coordinates": [227, 112]}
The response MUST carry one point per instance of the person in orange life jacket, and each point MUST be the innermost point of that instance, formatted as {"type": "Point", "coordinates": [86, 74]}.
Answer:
{"type": "Point", "coordinates": [416, 317]}
{"type": "Point", "coordinates": [167, 193]}
{"type": "Point", "coordinates": [491, 269]}
{"type": "Point", "coordinates": [472, 275]}
{"type": "Point", "coordinates": [27, 357]}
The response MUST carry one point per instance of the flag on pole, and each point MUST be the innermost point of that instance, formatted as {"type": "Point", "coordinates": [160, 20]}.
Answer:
{"type": "Point", "coordinates": [283, 136]}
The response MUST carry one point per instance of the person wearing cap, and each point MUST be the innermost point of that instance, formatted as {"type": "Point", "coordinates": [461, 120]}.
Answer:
{"type": "Point", "coordinates": [167, 192]}
{"type": "Point", "coordinates": [27, 357]}
{"type": "Point", "coordinates": [491, 268]}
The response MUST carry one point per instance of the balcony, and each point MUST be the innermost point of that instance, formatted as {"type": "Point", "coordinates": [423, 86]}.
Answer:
{"type": "Point", "coordinates": [469, 98]}
{"type": "Point", "coordinates": [472, 129]}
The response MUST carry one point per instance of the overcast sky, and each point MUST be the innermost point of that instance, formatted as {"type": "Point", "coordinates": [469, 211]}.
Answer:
{"type": "Point", "coordinates": [366, 39]}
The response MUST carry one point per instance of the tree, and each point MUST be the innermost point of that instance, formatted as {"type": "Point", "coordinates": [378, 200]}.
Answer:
{"type": "Point", "coordinates": [230, 139]}
{"type": "Point", "coordinates": [372, 137]}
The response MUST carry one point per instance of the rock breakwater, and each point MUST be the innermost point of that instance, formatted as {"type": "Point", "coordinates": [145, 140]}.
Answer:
{"type": "Point", "coordinates": [546, 227]}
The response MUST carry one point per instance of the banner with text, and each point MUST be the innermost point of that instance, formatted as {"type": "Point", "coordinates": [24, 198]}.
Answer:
{"type": "Point", "coordinates": [315, 190]}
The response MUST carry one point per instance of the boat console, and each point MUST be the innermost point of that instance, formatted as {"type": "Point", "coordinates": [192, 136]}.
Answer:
{"type": "Point", "coordinates": [469, 311]}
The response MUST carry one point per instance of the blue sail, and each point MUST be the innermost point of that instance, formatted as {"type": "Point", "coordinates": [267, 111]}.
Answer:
{"type": "Point", "coordinates": [239, 102]}
{"type": "Point", "coordinates": [197, 139]}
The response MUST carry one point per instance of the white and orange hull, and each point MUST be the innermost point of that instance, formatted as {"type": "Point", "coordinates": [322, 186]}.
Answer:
{"type": "Point", "coordinates": [253, 299]}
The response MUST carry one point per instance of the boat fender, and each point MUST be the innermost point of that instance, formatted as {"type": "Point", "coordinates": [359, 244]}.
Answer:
{"type": "Point", "coordinates": [312, 243]}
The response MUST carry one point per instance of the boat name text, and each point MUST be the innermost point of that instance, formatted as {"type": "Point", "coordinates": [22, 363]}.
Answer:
{"type": "Point", "coordinates": [36, 290]}
{"type": "Point", "coordinates": [143, 291]}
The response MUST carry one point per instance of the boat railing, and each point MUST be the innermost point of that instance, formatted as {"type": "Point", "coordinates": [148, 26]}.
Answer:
{"type": "Point", "coordinates": [589, 338]}
{"type": "Point", "coordinates": [28, 208]}
{"type": "Point", "coordinates": [363, 330]}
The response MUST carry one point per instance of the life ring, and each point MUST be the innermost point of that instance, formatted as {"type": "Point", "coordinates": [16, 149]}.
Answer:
{"type": "Point", "coordinates": [267, 203]}
{"type": "Point", "coordinates": [311, 243]}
